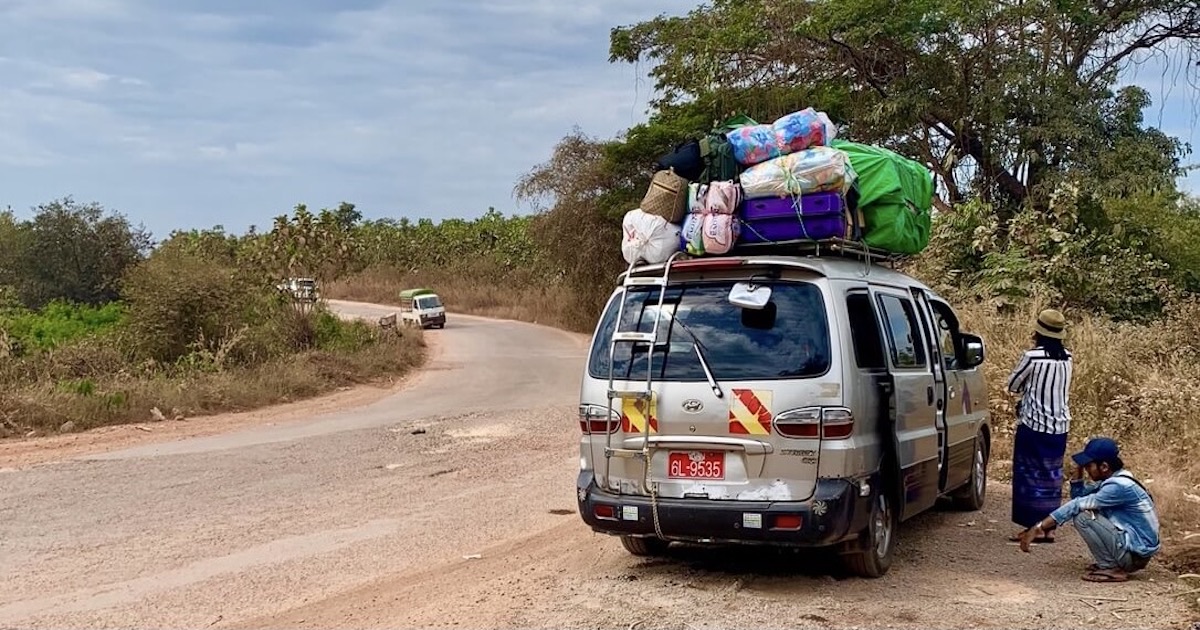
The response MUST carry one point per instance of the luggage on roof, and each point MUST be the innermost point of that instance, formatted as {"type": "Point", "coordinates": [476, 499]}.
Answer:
{"type": "Point", "coordinates": [895, 195]}
{"type": "Point", "coordinates": [794, 132]}
{"type": "Point", "coordinates": [787, 188]}
{"type": "Point", "coordinates": [720, 164]}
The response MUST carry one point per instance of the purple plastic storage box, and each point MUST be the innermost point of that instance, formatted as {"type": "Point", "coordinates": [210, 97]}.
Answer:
{"type": "Point", "coordinates": [820, 216]}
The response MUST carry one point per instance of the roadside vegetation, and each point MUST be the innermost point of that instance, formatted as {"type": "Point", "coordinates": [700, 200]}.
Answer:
{"type": "Point", "coordinates": [122, 333]}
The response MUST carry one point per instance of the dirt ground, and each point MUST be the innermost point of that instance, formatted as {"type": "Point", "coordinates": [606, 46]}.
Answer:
{"type": "Point", "coordinates": [449, 502]}
{"type": "Point", "coordinates": [952, 571]}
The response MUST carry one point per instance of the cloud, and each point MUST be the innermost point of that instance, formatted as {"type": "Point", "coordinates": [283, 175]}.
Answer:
{"type": "Point", "coordinates": [196, 112]}
{"type": "Point", "coordinates": [191, 113]}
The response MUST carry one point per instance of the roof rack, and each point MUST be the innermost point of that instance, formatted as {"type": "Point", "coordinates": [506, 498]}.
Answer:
{"type": "Point", "coordinates": [828, 247]}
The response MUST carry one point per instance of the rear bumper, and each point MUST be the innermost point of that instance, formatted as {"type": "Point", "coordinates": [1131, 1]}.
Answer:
{"type": "Point", "coordinates": [834, 514]}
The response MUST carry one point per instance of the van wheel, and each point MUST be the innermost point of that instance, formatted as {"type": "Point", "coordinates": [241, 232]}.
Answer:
{"type": "Point", "coordinates": [877, 542]}
{"type": "Point", "coordinates": [970, 497]}
{"type": "Point", "coordinates": [644, 546]}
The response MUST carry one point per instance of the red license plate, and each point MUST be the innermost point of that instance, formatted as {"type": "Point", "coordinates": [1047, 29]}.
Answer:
{"type": "Point", "coordinates": [696, 465]}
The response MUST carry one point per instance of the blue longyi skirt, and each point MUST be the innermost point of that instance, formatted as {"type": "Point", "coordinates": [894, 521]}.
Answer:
{"type": "Point", "coordinates": [1037, 475]}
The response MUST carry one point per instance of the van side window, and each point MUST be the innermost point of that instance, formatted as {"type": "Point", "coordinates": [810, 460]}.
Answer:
{"type": "Point", "coordinates": [948, 333]}
{"type": "Point", "coordinates": [904, 339]}
{"type": "Point", "coordinates": [868, 345]}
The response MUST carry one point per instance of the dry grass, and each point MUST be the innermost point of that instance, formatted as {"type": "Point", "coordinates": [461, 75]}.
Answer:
{"type": "Point", "coordinates": [516, 296]}
{"type": "Point", "coordinates": [1137, 384]}
{"type": "Point", "coordinates": [46, 405]}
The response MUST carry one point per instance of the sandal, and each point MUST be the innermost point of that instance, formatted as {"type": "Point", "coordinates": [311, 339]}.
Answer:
{"type": "Point", "coordinates": [1106, 576]}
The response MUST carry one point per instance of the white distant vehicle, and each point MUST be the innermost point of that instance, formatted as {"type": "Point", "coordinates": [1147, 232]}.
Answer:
{"type": "Point", "coordinates": [301, 289]}
{"type": "Point", "coordinates": [422, 308]}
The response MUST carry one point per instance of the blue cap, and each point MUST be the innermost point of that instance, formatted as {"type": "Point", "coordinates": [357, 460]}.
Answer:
{"type": "Point", "coordinates": [1097, 449]}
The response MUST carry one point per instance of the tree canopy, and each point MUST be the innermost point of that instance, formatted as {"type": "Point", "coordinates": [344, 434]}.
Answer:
{"type": "Point", "coordinates": [68, 251]}
{"type": "Point", "coordinates": [1004, 100]}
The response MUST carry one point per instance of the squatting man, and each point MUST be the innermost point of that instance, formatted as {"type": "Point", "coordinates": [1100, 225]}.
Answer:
{"type": "Point", "coordinates": [1113, 513]}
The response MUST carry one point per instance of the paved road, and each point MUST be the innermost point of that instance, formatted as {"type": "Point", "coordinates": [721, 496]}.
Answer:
{"type": "Point", "coordinates": [355, 518]}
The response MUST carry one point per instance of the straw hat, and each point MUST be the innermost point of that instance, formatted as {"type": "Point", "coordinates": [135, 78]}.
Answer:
{"type": "Point", "coordinates": [1052, 324]}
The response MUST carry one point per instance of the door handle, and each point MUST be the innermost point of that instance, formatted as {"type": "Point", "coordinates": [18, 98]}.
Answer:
{"type": "Point", "coordinates": [929, 394]}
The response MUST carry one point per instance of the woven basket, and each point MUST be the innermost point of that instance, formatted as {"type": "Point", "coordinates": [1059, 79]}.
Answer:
{"type": "Point", "coordinates": [667, 196]}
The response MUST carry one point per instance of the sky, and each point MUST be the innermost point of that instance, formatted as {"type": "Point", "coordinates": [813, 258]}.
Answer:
{"type": "Point", "coordinates": [193, 113]}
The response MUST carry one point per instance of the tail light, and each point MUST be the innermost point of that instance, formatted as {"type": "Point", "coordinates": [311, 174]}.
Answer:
{"type": "Point", "coordinates": [810, 423]}
{"type": "Point", "coordinates": [799, 423]}
{"type": "Point", "coordinates": [837, 423]}
{"type": "Point", "coordinates": [592, 420]}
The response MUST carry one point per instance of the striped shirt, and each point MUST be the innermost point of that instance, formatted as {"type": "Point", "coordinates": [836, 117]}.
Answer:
{"type": "Point", "coordinates": [1045, 388]}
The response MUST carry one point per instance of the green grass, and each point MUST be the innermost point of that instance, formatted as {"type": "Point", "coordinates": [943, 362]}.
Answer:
{"type": "Point", "coordinates": [57, 324]}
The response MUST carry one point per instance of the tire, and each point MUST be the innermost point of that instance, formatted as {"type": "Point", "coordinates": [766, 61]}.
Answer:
{"type": "Point", "coordinates": [877, 543]}
{"type": "Point", "coordinates": [644, 546]}
{"type": "Point", "coordinates": [970, 498]}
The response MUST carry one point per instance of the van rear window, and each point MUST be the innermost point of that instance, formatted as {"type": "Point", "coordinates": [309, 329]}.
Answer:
{"type": "Point", "coordinates": [788, 339]}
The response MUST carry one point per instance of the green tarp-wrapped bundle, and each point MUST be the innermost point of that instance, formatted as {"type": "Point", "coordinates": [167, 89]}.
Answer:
{"type": "Point", "coordinates": [895, 195]}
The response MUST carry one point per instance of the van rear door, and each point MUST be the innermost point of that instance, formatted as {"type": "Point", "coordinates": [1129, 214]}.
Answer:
{"type": "Point", "coordinates": [747, 439]}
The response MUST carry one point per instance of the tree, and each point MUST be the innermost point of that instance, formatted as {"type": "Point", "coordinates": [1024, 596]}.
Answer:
{"type": "Point", "coordinates": [13, 244]}
{"type": "Point", "coordinates": [578, 228]}
{"type": "Point", "coordinates": [75, 252]}
{"type": "Point", "coordinates": [215, 245]}
{"type": "Point", "coordinates": [346, 216]}
{"type": "Point", "coordinates": [1003, 100]}
{"type": "Point", "coordinates": [320, 246]}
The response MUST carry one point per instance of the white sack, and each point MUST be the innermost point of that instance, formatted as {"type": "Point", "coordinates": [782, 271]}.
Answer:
{"type": "Point", "coordinates": [648, 237]}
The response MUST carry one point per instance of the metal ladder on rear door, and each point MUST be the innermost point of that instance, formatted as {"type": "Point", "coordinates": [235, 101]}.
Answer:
{"type": "Point", "coordinates": [634, 337]}
{"type": "Point", "coordinates": [646, 395]}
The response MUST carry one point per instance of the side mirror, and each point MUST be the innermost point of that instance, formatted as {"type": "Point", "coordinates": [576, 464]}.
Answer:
{"type": "Point", "coordinates": [973, 350]}
{"type": "Point", "coordinates": [750, 296]}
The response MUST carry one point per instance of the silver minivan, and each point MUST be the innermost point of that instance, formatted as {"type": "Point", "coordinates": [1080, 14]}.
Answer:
{"type": "Point", "coordinates": [786, 400]}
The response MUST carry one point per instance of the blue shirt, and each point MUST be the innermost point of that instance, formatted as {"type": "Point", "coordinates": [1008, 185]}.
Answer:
{"type": "Point", "coordinates": [1123, 502]}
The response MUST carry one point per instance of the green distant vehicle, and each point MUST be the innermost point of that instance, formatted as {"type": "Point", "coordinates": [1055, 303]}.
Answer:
{"type": "Point", "coordinates": [422, 308]}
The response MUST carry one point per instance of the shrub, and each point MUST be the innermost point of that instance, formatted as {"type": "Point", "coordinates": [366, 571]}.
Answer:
{"type": "Point", "coordinates": [177, 299]}
{"type": "Point", "coordinates": [57, 324]}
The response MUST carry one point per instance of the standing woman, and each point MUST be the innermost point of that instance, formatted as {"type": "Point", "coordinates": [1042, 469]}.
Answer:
{"type": "Point", "coordinates": [1043, 379]}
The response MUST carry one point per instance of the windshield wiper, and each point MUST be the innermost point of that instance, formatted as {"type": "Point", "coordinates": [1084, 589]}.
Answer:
{"type": "Point", "coordinates": [712, 382]}
{"type": "Point", "coordinates": [699, 348]}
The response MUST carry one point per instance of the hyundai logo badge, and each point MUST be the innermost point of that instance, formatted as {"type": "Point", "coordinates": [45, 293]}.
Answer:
{"type": "Point", "coordinates": [693, 406]}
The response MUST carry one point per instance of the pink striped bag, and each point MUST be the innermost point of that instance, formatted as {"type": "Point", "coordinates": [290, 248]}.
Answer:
{"type": "Point", "coordinates": [720, 232]}
{"type": "Point", "coordinates": [721, 198]}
